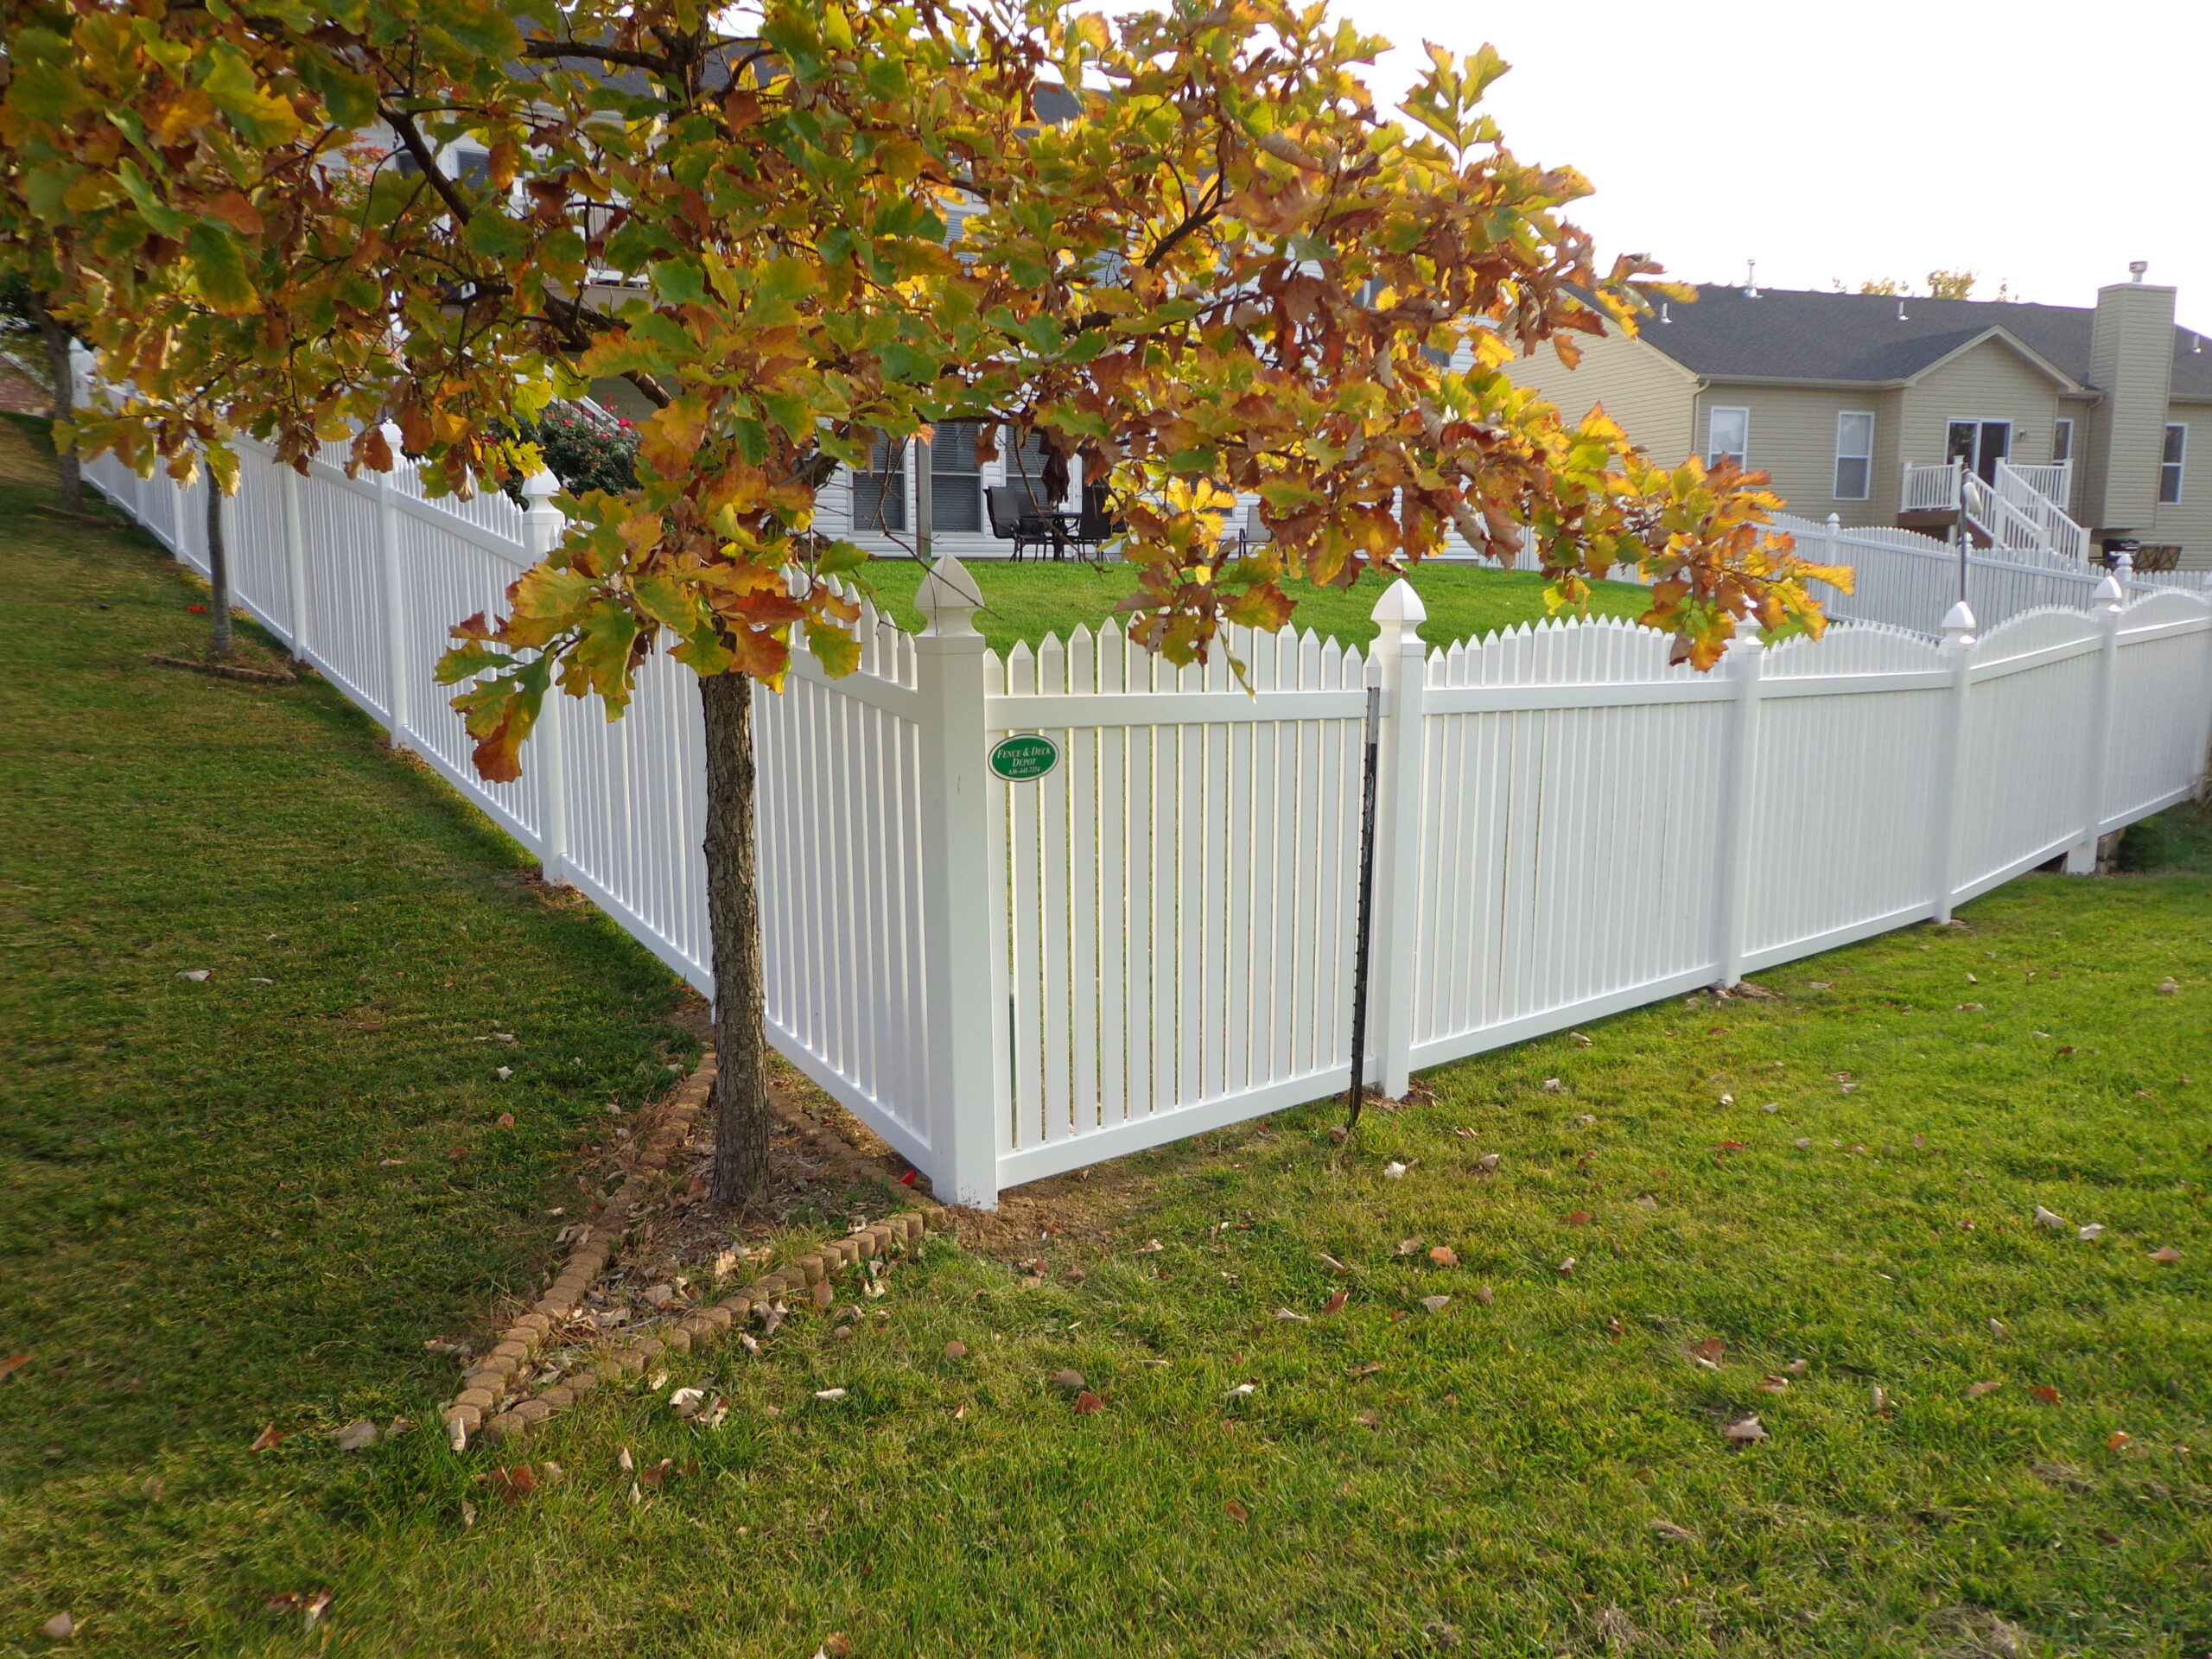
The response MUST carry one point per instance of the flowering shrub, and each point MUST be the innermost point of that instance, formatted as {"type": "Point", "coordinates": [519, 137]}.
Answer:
{"type": "Point", "coordinates": [584, 451]}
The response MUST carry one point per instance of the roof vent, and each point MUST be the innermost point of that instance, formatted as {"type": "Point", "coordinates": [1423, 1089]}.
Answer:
{"type": "Point", "coordinates": [2136, 268]}
{"type": "Point", "coordinates": [2196, 344]}
{"type": "Point", "coordinates": [1663, 317]}
{"type": "Point", "coordinates": [1901, 315]}
{"type": "Point", "coordinates": [1750, 279]}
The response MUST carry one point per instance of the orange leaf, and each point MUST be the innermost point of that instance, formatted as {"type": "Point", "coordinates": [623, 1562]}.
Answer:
{"type": "Point", "coordinates": [1711, 1349]}
{"type": "Point", "coordinates": [2119, 1438]}
{"type": "Point", "coordinates": [267, 1438]}
{"type": "Point", "coordinates": [1580, 1218]}
{"type": "Point", "coordinates": [1334, 1305]}
{"type": "Point", "coordinates": [1087, 1403]}
{"type": "Point", "coordinates": [235, 210]}
{"type": "Point", "coordinates": [13, 1364]}
{"type": "Point", "coordinates": [516, 1482]}
{"type": "Point", "coordinates": [1238, 1511]}
{"type": "Point", "coordinates": [2045, 1393]}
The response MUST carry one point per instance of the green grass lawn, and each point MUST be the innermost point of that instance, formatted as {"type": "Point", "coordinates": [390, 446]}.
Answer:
{"type": "Point", "coordinates": [1031, 599]}
{"type": "Point", "coordinates": [200, 1235]}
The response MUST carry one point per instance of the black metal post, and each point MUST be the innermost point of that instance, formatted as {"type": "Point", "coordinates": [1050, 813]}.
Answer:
{"type": "Point", "coordinates": [1365, 948]}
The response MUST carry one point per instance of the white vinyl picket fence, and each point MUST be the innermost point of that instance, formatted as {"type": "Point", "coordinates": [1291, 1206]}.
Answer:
{"type": "Point", "coordinates": [1012, 979]}
{"type": "Point", "coordinates": [1907, 580]}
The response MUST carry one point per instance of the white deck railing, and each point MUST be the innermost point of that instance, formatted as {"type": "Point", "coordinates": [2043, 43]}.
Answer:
{"type": "Point", "coordinates": [1930, 489]}
{"type": "Point", "coordinates": [1007, 980]}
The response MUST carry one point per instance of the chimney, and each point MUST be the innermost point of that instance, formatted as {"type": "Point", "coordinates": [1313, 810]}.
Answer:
{"type": "Point", "coordinates": [2131, 363]}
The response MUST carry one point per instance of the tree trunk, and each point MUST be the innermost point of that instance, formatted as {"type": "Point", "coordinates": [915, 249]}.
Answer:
{"type": "Point", "coordinates": [218, 570]}
{"type": "Point", "coordinates": [733, 927]}
{"type": "Point", "coordinates": [71, 475]}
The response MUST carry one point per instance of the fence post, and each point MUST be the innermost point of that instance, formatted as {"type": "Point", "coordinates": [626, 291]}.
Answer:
{"type": "Point", "coordinates": [965, 1109]}
{"type": "Point", "coordinates": [541, 526]}
{"type": "Point", "coordinates": [1739, 766]}
{"type": "Point", "coordinates": [2105, 606]}
{"type": "Point", "coordinates": [1950, 759]}
{"type": "Point", "coordinates": [295, 562]}
{"type": "Point", "coordinates": [395, 615]}
{"type": "Point", "coordinates": [1402, 663]}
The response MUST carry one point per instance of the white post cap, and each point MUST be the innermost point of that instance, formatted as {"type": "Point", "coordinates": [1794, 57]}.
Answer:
{"type": "Point", "coordinates": [1959, 624]}
{"type": "Point", "coordinates": [948, 598]}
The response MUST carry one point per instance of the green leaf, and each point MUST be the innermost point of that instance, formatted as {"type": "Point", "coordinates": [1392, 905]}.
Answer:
{"type": "Point", "coordinates": [260, 116]}
{"type": "Point", "coordinates": [495, 235]}
{"type": "Point", "coordinates": [220, 271]}
{"type": "Point", "coordinates": [679, 281]}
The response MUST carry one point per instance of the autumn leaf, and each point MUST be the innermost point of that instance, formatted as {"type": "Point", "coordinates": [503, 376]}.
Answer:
{"type": "Point", "coordinates": [1577, 1218]}
{"type": "Point", "coordinates": [1336, 1303]}
{"type": "Point", "coordinates": [1744, 1430]}
{"type": "Point", "coordinates": [1444, 1257]}
{"type": "Point", "coordinates": [1086, 1403]}
{"type": "Point", "coordinates": [1708, 1353]}
{"type": "Point", "coordinates": [2044, 1393]}
{"type": "Point", "coordinates": [516, 1482]}
{"type": "Point", "coordinates": [266, 1438]}
{"type": "Point", "coordinates": [2118, 1438]}
{"type": "Point", "coordinates": [1071, 1380]}
{"type": "Point", "coordinates": [1236, 1512]}
{"type": "Point", "coordinates": [2166, 1254]}
{"type": "Point", "coordinates": [13, 1364]}
{"type": "Point", "coordinates": [1981, 1388]}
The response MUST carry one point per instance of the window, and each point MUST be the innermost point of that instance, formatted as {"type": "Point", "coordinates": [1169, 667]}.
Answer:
{"type": "Point", "coordinates": [1855, 456]}
{"type": "Point", "coordinates": [880, 493]}
{"type": "Point", "coordinates": [2062, 443]}
{"type": "Point", "coordinates": [956, 478]}
{"type": "Point", "coordinates": [1727, 436]}
{"type": "Point", "coordinates": [2169, 464]}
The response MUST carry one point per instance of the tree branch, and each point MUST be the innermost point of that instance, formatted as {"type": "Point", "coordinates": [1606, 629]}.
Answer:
{"type": "Point", "coordinates": [558, 49]}
{"type": "Point", "coordinates": [426, 158]}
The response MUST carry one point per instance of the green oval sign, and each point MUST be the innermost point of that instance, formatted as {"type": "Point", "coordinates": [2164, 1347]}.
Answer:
{"type": "Point", "coordinates": [1024, 756]}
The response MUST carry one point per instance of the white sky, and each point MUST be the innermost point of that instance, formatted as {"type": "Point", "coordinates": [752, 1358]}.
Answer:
{"type": "Point", "coordinates": [2041, 144]}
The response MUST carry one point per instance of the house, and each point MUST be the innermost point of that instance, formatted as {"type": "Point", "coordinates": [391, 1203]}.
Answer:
{"type": "Point", "coordinates": [2068, 427]}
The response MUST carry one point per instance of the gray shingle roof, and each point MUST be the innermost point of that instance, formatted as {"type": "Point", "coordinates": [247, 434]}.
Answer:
{"type": "Point", "coordinates": [1794, 333]}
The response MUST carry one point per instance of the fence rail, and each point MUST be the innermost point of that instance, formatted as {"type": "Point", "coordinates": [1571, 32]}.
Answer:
{"type": "Point", "coordinates": [1012, 979]}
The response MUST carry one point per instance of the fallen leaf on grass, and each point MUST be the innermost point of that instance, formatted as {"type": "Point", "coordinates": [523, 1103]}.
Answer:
{"type": "Point", "coordinates": [2047, 1218]}
{"type": "Point", "coordinates": [1488, 1162]}
{"type": "Point", "coordinates": [13, 1364]}
{"type": "Point", "coordinates": [1407, 1246]}
{"type": "Point", "coordinates": [832, 1395]}
{"type": "Point", "coordinates": [1484, 1294]}
{"type": "Point", "coordinates": [2119, 1438]}
{"type": "Point", "coordinates": [503, 1072]}
{"type": "Point", "coordinates": [1336, 1303]}
{"type": "Point", "coordinates": [1615, 1329]}
{"type": "Point", "coordinates": [1997, 1330]}
{"type": "Point", "coordinates": [1566, 1267]}
{"type": "Point", "coordinates": [1436, 1304]}
{"type": "Point", "coordinates": [2092, 1231]}
{"type": "Point", "coordinates": [956, 1350]}
{"type": "Point", "coordinates": [2166, 1254]}
{"type": "Point", "coordinates": [2044, 1393]}
{"type": "Point", "coordinates": [1150, 1247]}
{"type": "Point", "coordinates": [1394, 1170]}
{"type": "Point", "coordinates": [1880, 1400]}
{"type": "Point", "coordinates": [1236, 1512]}
{"type": "Point", "coordinates": [197, 976]}
{"type": "Point", "coordinates": [1444, 1257]}
{"type": "Point", "coordinates": [1669, 1533]}
{"type": "Point", "coordinates": [1646, 1202]}
{"type": "Point", "coordinates": [683, 1402]}
{"type": "Point", "coordinates": [1295, 1319]}
{"type": "Point", "coordinates": [1087, 1403]}
{"type": "Point", "coordinates": [2166, 987]}
{"type": "Point", "coordinates": [504, 1121]}
{"type": "Point", "coordinates": [1368, 1370]}
{"type": "Point", "coordinates": [1577, 1218]}
{"type": "Point", "coordinates": [1240, 1391]}
{"type": "Point", "coordinates": [267, 1438]}
{"type": "Point", "coordinates": [1070, 1380]}
{"type": "Point", "coordinates": [1745, 1429]}
{"type": "Point", "coordinates": [356, 1434]}
{"type": "Point", "coordinates": [513, 1483]}
{"type": "Point", "coordinates": [1363, 1419]}
{"type": "Point", "coordinates": [59, 1628]}
{"type": "Point", "coordinates": [1981, 1388]}
{"type": "Point", "coordinates": [836, 1645]}
{"type": "Point", "coordinates": [1772, 1383]}
{"type": "Point", "coordinates": [1708, 1352]}
{"type": "Point", "coordinates": [661, 1473]}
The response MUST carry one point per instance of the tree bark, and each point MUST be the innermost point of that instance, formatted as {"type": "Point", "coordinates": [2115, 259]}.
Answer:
{"type": "Point", "coordinates": [56, 335]}
{"type": "Point", "coordinates": [218, 571]}
{"type": "Point", "coordinates": [734, 927]}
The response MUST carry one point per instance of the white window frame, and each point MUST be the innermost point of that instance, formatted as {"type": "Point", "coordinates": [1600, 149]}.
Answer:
{"type": "Point", "coordinates": [2172, 473]}
{"type": "Point", "coordinates": [1866, 490]}
{"type": "Point", "coordinates": [1712, 413]}
{"type": "Point", "coordinates": [2062, 439]}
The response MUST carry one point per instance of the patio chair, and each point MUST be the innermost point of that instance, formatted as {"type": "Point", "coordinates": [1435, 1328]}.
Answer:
{"type": "Point", "coordinates": [1014, 518]}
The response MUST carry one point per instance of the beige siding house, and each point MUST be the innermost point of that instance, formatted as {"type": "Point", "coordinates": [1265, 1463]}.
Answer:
{"type": "Point", "coordinates": [2078, 428]}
